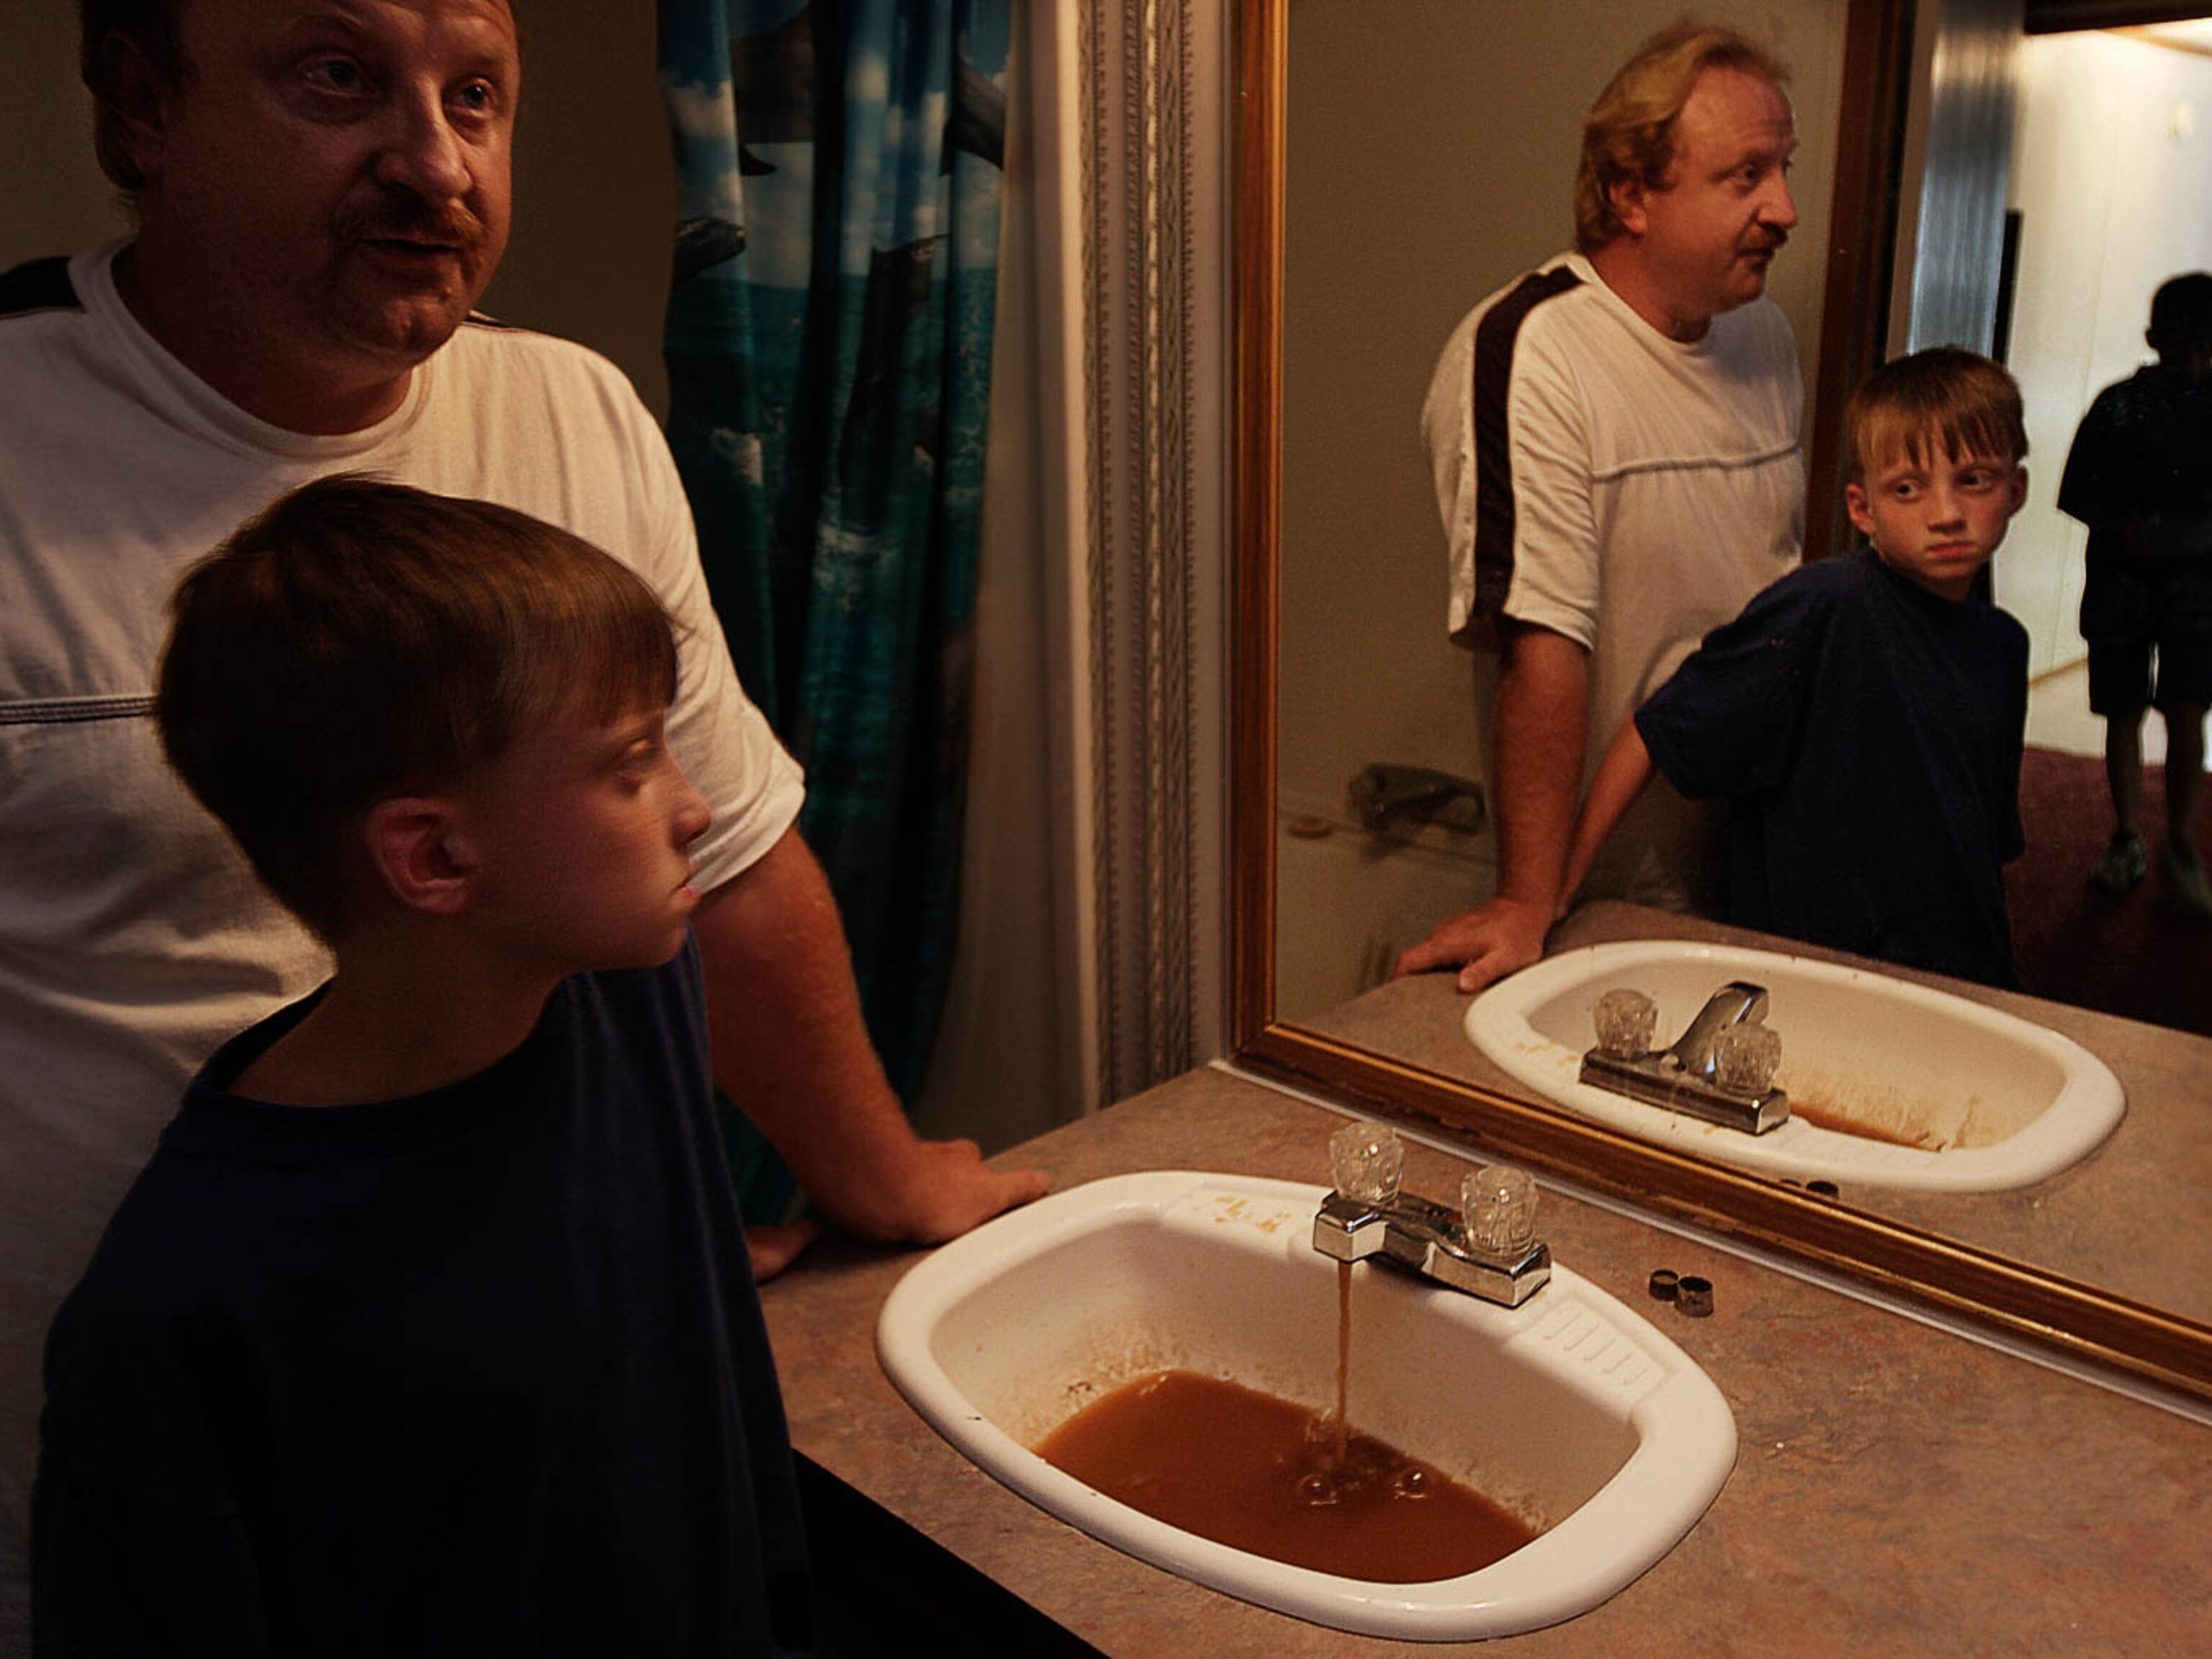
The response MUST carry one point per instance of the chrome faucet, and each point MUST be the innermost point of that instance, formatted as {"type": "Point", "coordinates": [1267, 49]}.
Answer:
{"type": "Point", "coordinates": [1720, 1069]}
{"type": "Point", "coordinates": [1488, 1248]}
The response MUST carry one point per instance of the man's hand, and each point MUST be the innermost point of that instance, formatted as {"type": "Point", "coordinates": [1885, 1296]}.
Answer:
{"type": "Point", "coordinates": [775, 1246]}
{"type": "Point", "coordinates": [1543, 689]}
{"type": "Point", "coordinates": [948, 1190]}
{"type": "Point", "coordinates": [1485, 943]}
{"type": "Point", "coordinates": [944, 1189]}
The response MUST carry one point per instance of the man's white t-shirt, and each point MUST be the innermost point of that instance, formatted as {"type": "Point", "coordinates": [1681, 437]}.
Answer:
{"type": "Point", "coordinates": [1626, 490]}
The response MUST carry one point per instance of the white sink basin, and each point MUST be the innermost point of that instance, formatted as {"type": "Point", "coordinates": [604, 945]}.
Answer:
{"type": "Point", "coordinates": [1997, 1103]}
{"type": "Point", "coordinates": [1571, 1408]}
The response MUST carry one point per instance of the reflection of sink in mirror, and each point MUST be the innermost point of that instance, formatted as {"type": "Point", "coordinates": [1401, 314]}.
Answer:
{"type": "Point", "coordinates": [1570, 1410]}
{"type": "Point", "coordinates": [1891, 1084]}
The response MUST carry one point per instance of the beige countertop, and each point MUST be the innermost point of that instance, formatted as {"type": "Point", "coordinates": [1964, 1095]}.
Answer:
{"type": "Point", "coordinates": [2128, 1218]}
{"type": "Point", "coordinates": [1898, 1490]}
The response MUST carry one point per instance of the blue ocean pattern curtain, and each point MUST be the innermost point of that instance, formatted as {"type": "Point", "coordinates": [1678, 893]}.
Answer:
{"type": "Point", "coordinates": [829, 346]}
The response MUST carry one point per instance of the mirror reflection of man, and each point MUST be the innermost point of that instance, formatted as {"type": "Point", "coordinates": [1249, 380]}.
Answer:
{"type": "Point", "coordinates": [321, 190]}
{"type": "Point", "coordinates": [1615, 442]}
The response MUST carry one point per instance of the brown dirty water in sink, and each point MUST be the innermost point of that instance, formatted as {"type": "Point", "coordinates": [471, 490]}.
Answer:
{"type": "Point", "coordinates": [1824, 1115]}
{"type": "Point", "coordinates": [1884, 1109]}
{"type": "Point", "coordinates": [1261, 1474]}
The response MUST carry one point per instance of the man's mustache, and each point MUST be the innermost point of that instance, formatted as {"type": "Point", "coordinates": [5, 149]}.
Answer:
{"type": "Point", "coordinates": [402, 215]}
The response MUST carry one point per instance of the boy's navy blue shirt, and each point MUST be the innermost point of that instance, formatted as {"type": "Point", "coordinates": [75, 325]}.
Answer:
{"type": "Point", "coordinates": [1867, 736]}
{"type": "Point", "coordinates": [478, 1372]}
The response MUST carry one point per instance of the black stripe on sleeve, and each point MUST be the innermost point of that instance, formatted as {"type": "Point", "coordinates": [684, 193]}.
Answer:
{"type": "Point", "coordinates": [1494, 510]}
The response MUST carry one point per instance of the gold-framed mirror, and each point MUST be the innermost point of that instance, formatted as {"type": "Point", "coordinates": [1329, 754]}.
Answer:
{"type": "Point", "coordinates": [1994, 1262]}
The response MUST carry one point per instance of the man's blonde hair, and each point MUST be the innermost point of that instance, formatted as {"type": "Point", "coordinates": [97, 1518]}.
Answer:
{"type": "Point", "coordinates": [1945, 396]}
{"type": "Point", "coordinates": [1629, 133]}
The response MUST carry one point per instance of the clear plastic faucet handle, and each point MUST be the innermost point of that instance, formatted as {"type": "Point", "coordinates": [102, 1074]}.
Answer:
{"type": "Point", "coordinates": [1365, 1162]}
{"type": "Point", "coordinates": [1745, 1059]}
{"type": "Point", "coordinates": [1626, 1022]}
{"type": "Point", "coordinates": [1498, 1203]}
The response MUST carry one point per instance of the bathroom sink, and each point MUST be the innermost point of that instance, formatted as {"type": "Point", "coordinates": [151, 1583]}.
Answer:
{"type": "Point", "coordinates": [1914, 1088]}
{"type": "Point", "coordinates": [1571, 1410]}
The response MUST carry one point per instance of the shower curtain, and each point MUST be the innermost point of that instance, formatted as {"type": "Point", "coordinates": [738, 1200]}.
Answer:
{"type": "Point", "coordinates": [829, 345]}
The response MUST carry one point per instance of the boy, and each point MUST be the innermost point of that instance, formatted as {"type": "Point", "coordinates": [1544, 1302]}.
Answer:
{"type": "Point", "coordinates": [2140, 476]}
{"type": "Point", "coordinates": [429, 1326]}
{"type": "Point", "coordinates": [1864, 715]}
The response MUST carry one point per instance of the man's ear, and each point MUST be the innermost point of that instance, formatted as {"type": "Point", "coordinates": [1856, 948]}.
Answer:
{"type": "Point", "coordinates": [423, 853]}
{"type": "Point", "coordinates": [1625, 196]}
{"type": "Point", "coordinates": [1855, 503]}
{"type": "Point", "coordinates": [138, 96]}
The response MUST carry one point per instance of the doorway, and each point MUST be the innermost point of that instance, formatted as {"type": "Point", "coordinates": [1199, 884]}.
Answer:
{"type": "Point", "coordinates": [2110, 176]}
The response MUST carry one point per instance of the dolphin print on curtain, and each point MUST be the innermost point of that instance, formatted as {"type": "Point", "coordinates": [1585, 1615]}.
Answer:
{"type": "Point", "coordinates": [829, 346]}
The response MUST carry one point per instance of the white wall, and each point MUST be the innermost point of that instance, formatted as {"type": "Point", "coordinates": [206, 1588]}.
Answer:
{"type": "Point", "coordinates": [2112, 177]}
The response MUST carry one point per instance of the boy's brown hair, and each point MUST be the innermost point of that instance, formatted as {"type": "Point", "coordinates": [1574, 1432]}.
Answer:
{"type": "Point", "coordinates": [1629, 133]}
{"type": "Point", "coordinates": [358, 640]}
{"type": "Point", "coordinates": [1945, 396]}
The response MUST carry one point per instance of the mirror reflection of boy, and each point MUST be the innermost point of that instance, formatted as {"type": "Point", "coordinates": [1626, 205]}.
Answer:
{"type": "Point", "coordinates": [429, 1326]}
{"type": "Point", "coordinates": [2140, 476]}
{"type": "Point", "coordinates": [1864, 716]}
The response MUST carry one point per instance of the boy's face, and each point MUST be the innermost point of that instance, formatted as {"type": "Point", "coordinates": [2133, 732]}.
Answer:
{"type": "Point", "coordinates": [1935, 524]}
{"type": "Point", "coordinates": [579, 834]}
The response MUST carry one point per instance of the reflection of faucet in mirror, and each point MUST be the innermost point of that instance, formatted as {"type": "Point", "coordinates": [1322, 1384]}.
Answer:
{"type": "Point", "coordinates": [1385, 796]}
{"type": "Point", "coordinates": [1720, 1069]}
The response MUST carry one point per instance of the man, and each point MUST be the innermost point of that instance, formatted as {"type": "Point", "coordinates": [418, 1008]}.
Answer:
{"type": "Point", "coordinates": [322, 192]}
{"type": "Point", "coordinates": [1615, 444]}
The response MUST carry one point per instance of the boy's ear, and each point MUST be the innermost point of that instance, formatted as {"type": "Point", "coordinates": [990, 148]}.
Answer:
{"type": "Point", "coordinates": [2019, 490]}
{"type": "Point", "coordinates": [423, 853]}
{"type": "Point", "coordinates": [1855, 503]}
